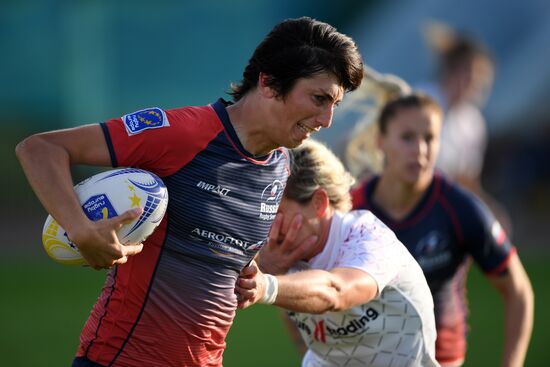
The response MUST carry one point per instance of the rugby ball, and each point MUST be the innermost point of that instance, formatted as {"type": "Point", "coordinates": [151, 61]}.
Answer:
{"type": "Point", "coordinates": [107, 195]}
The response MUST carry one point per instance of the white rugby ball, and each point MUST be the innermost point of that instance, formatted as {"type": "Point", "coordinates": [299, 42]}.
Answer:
{"type": "Point", "coordinates": [107, 195]}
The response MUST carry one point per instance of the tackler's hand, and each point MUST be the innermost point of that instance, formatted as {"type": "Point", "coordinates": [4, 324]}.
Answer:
{"type": "Point", "coordinates": [283, 251]}
{"type": "Point", "coordinates": [250, 285]}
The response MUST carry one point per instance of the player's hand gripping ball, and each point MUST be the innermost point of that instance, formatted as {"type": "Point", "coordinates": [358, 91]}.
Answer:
{"type": "Point", "coordinates": [107, 195]}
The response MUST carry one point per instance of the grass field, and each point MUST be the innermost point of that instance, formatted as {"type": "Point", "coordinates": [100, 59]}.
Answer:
{"type": "Point", "coordinates": [44, 306]}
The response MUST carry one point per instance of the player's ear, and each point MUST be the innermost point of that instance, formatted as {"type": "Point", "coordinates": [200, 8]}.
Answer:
{"type": "Point", "coordinates": [380, 141]}
{"type": "Point", "coordinates": [321, 202]}
{"type": "Point", "coordinates": [264, 88]}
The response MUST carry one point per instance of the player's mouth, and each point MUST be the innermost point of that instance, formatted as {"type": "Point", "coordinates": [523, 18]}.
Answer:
{"type": "Point", "coordinates": [415, 166]}
{"type": "Point", "coordinates": [306, 129]}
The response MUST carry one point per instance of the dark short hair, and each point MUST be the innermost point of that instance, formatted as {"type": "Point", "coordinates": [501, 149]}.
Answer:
{"type": "Point", "coordinates": [301, 48]}
{"type": "Point", "coordinates": [413, 100]}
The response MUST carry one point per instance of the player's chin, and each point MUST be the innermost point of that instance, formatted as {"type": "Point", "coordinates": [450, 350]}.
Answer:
{"type": "Point", "coordinates": [296, 137]}
{"type": "Point", "coordinates": [294, 143]}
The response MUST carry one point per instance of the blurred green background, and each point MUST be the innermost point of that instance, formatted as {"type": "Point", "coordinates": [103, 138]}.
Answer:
{"type": "Point", "coordinates": [47, 305]}
{"type": "Point", "coordinates": [67, 63]}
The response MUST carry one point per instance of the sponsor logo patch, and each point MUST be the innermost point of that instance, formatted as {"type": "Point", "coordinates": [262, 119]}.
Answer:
{"type": "Point", "coordinates": [215, 189]}
{"type": "Point", "coordinates": [229, 242]}
{"type": "Point", "coordinates": [150, 118]}
{"type": "Point", "coordinates": [99, 207]}
{"type": "Point", "coordinates": [269, 202]}
{"type": "Point", "coordinates": [353, 327]}
{"type": "Point", "coordinates": [432, 251]}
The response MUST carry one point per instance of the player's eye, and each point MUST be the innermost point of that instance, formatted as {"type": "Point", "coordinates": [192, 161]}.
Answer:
{"type": "Point", "coordinates": [319, 100]}
{"type": "Point", "coordinates": [407, 136]}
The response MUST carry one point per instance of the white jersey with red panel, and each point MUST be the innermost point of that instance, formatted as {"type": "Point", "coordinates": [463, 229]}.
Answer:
{"type": "Point", "coordinates": [397, 328]}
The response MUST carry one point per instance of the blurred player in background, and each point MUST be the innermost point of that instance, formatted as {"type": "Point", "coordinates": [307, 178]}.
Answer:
{"type": "Point", "coordinates": [357, 296]}
{"type": "Point", "coordinates": [444, 227]}
{"type": "Point", "coordinates": [361, 155]}
{"type": "Point", "coordinates": [464, 81]}
{"type": "Point", "coordinates": [173, 303]}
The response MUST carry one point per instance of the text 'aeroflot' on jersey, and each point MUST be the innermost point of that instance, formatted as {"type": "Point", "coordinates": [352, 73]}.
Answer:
{"type": "Point", "coordinates": [173, 304]}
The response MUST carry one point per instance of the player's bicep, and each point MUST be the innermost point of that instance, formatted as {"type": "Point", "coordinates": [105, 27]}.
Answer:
{"type": "Point", "coordinates": [84, 144]}
{"type": "Point", "coordinates": [356, 286]}
{"type": "Point", "coordinates": [512, 279]}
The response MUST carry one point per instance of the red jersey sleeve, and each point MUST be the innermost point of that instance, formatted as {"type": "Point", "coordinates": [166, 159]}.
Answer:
{"type": "Point", "coordinates": [160, 141]}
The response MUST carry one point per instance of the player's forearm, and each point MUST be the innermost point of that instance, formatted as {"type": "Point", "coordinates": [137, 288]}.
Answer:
{"type": "Point", "coordinates": [311, 291]}
{"type": "Point", "coordinates": [519, 310]}
{"type": "Point", "coordinates": [46, 167]}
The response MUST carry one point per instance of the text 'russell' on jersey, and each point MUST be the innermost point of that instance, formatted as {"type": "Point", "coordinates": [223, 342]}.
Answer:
{"type": "Point", "coordinates": [269, 201]}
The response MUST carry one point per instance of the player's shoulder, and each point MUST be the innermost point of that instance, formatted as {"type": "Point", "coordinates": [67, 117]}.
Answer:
{"type": "Point", "coordinates": [367, 243]}
{"type": "Point", "coordinates": [469, 208]}
{"type": "Point", "coordinates": [154, 118]}
{"type": "Point", "coordinates": [361, 225]}
{"type": "Point", "coordinates": [196, 115]}
{"type": "Point", "coordinates": [357, 217]}
{"type": "Point", "coordinates": [468, 113]}
{"type": "Point", "coordinates": [455, 194]}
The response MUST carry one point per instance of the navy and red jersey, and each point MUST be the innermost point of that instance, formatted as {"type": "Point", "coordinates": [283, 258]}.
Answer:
{"type": "Point", "coordinates": [446, 229]}
{"type": "Point", "coordinates": [173, 304]}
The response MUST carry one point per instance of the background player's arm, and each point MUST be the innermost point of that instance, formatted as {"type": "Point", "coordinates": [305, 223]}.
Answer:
{"type": "Point", "coordinates": [516, 291]}
{"type": "Point", "coordinates": [491, 247]}
{"type": "Point", "coordinates": [46, 159]}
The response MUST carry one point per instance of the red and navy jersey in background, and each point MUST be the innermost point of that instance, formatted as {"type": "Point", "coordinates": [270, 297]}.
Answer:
{"type": "Point", "coordinates": [173, 304]}
{"type": "Point", "coordinates": [447, 228]}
